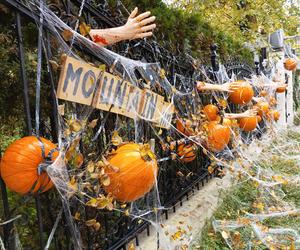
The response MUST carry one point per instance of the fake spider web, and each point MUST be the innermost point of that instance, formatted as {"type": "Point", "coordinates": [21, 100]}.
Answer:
{"type": "Point", "coordinates": [87, 137]}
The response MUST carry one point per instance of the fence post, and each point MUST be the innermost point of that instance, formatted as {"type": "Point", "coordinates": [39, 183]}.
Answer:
{"type": "Point", "coordinates": [214, 55]}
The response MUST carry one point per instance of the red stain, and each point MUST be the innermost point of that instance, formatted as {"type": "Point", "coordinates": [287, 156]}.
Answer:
{"type": "Point", "coordinates": [99, 39]}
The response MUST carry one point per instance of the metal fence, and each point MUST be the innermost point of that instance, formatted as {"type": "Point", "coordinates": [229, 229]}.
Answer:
{"type": "Point", "coordinates": [177, 182]}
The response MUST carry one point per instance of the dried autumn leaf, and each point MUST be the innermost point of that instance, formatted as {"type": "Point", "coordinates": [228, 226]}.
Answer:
{"type": "Point", "coordinates": [77, 216]}
{"type": "Point", "coordinates": [79, 160]}
{"type": "Point", "coordinates": [126, 212]}
{"type": "Point", "coordinates": [73, 184]}
{"type": "Point", "coordinates": [131, 246]}
{"type": "Point", "coordinates": [70, 153]}
{"type": "Point", "coordinates": [92, 203]}
{"type": "Point", "coordinates": [54, 65]}
{"type": "Point", "coordinates": [97, 226]}
{"type": "Point", "coordinates": [105, 180]}
{"type": "Point", "coordinates": [116, 140]}
{"type": "Point", "coordinates": [210, 169]}
{"type": "Point", "coordinates": [90, 167]}
{"type": "Point", "coordinates": [93, 123]}
{"type": "Point", "coordinates": [67, 35]}
{"type": "Point", "coordinates": [146, 152]}
{"type": "Point", "coordinates": [61, 109]}
{"type": "Point", "coordinates": [102, 67]}
{"type": "Point", "coordinates": [162, 73]}
{"type": "Point", "coordinates": [91, 222]}
{"type": "Point", "coordinates": [84, 29]}
{"type": "Point", "coordinates": [75, 125]}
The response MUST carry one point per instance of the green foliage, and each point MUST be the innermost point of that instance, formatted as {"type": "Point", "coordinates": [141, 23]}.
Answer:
{"type": "Point", "coordinates": [183, 31]}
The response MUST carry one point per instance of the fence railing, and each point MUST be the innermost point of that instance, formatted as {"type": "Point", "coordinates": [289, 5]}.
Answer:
{"type": "Point", "coordinates": [176, 181]}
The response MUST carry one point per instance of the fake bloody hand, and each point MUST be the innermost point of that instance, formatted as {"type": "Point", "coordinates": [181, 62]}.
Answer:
{"type": "Point", "coordinates": [140, 26]}
{"type": "Point", "coordinates": [247, 113]}
{"type": "Point", "coordinates": [226, 87]}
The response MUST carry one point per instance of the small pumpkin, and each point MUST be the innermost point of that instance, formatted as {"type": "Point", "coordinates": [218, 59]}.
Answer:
{"type": "Point", "coordinates": [133, 173]}
{"type": "Point", "coordinates": [186, 152]}
{"type": "Point", "coordinates": [248, 124]}
{"type": "Point", "coordinates": [281, 89]}
{"type": "Point", "coordinates": [275, 115]}
{"type": "Point", "coordinates": [20, 162]}
{"type": "Point", "coordinates": [184, 126]}
{"type": "Point", "coordinates": [218, 136]}
{"type": "Point", "coordinates": [263, 108]}
{"type": "Point", "coordinates": [242, 94]}
{"type": "Point", "coordinates": [272, 101]}
{"type": "Point", "coordinates": [211, 112]}
{"type": "Point", "coordinates": [290, 64]}
{"type": "Point", "coordinates": [259, 119]}
{"type": "Point", "coordinates": [263, 93]}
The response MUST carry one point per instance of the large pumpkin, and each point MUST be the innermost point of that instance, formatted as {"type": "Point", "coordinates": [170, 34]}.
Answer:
{"type": "Point", "coordinates": [242, 94]}
{"type": "Point", "coordinates": [211, 112]}
{"type": "Point", "coordinates": [20, 162]}
{"type": "Point", "coordinates": [184, 126]}
{"type": "Point", "coordinates": [248, 123]}
{"type": "Point", "coordinates": [218, 136]}
{"type": "Point", "coordinates": [133, 172]}
{"type": "Point", "coordinates": [186, 152]}
{"type": "Point", "coordinates": [290, 64]}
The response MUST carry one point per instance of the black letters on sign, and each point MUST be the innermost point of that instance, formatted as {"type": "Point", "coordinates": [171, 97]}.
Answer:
{"type": "Point", "coordinates": [71, 75]}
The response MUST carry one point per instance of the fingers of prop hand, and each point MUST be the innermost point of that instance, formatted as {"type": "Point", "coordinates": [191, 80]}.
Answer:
{"type": "Point", "coordinates": [143, 35]}
{"type": "Point", "coordinates": [133, 13]}
{"type": "Point", "coordinates": [148, 20]}
{"type": "Point", "coordinates": [143, 16]}
{"type": "Point", "coordinates": [149, 27]}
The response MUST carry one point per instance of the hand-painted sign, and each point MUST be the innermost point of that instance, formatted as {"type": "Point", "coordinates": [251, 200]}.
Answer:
{"type": "Point", "coordinates": [82, 83]}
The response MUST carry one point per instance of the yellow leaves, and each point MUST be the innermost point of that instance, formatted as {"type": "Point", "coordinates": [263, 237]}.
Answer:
{"type": "Point", "coordinates": [116, 140]}
{"type": "Point", "coordinates": [131, 246]}
{"type": "Point", "coordinates": [126, 212]}
{"type": "Point", "coordinates": [73, 184]}
{"type": "Point", "coordinates": [162, 73]}
{"type": "Point", "coordinates": [259, 205]}
{"type": "Point", "coordinates": [210, 169]}
{"type": "Point", "coordinates": [93, 123]}
{"type": "Point", "coordinates": [67, 35]}
{"type": "Point", "coordinates": [146, 152]}
{"type": "Point", "coordinates": [84, 29]}
{"type": "Point", "coordinates": [101, 202]}
{"type": "Point", "coordinates": [75, 125]}
{"type": "Point", "coordinates": [93, 223]}
{"type": "Point", "coordinates": [280, 179]}
{"type": "Point", "coordinates": [54, 65]}
{"type": "Point", "coordinates": [102, 67]}
{"type": "Point", "coordinates": [77, 216]}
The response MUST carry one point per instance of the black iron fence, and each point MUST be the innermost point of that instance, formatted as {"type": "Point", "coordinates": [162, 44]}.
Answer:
{"type": "Point", "coordinates": [176, 181]}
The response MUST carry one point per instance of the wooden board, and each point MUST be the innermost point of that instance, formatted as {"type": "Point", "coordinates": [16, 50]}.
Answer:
{"type": "Point", "coordinates": [82, 83]}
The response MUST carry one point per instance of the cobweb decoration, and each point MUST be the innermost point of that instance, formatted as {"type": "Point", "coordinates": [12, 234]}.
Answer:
{"type": "Point", "coordinates": [89, 137]}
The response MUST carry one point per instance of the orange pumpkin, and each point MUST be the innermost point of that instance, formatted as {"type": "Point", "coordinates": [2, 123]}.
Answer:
{"type": "Point", "coordinates": [263, 108]}
{"type": "Point", "coordinates": [258, 118]}
{"type": "Point", "coordinates": [275, 115]}
{"type": "Point", "coordinates": [263, 93]}
{"type": "Point", "coordinates": [184, 127]}
{"type": "Point", "coordinates": [186, 152]}
{"type": "Point", "coordinates": [281, 89]}
{"type": "Point", "coordinates": [248, 123]}
{"type": "Point", "coordinates": [136, 172]}
{"type": "Point", "coordinates": [243, 94]}
{"type": "Point", "coordinates": [218, 136]}
{"type": "Point", "coordinates": [211, 112]}
{"type": "Point", "coordinates": [20, 162]}
{"type": "Point", "coordinates": [272, 101]}
{"type": "Point", "coordinates": [290, 64]}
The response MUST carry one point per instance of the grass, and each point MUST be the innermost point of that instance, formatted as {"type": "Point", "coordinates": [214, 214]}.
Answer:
{"type": "Point", "coordinates": [240, 198]}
